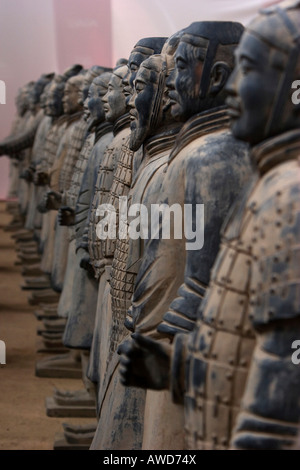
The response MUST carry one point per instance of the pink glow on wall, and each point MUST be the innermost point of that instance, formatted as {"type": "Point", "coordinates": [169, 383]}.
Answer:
{"type": "Point", "coordinates": [135, 19]}
{"type": "Point", "coordinates": [83, 32]}
{"type": "Point", "coordinates": [38, 36]}
{"type": "Point", "coordinates": [27, 49]}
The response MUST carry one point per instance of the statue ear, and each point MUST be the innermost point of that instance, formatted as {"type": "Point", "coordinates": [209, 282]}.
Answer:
{"type": "Point", "coordinates": [219, 76]}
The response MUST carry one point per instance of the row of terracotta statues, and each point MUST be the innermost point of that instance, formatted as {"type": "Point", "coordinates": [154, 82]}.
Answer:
{"type": "Point", "coordinates": [183, 334]}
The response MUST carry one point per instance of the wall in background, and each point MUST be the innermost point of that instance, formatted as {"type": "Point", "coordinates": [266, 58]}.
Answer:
{"type": "Point", "coordinates": [83, 32]}
{"type": "Point", "coordinates": [38, 36]}
{"type": "Point", "coordinates": [27, 48]}
{"type": "Point", "coordinates": [136, 19]}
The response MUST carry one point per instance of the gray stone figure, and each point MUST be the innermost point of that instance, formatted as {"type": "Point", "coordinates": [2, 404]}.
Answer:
{"type": "Point", "coordinates": [100, 253]}
{"type": "Point", "coordinates": [67, 182]}
{"type": "Point", "coordinates": [174, 271]}
{"type": "Point", "coordinates": [61, 173]}
{"type": "Point", "coordinates": [34, 217]}
{"type": "Point", "coordinates": [79, 328]}
{"type": "Point", "coordinates": [79, 296]}
{"type": "Point", "coordinates": [152, 127]}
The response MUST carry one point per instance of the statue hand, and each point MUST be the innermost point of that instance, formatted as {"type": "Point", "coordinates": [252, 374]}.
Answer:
{"type": "Point", "coordinates": [65, 216]}
{"type": "Point", "coordinates": [145, 363]}
{"type": "Point", "coordinates": [129, 323]}
{"type": "Point", "coordinates": [85, 263]}
{"type": "Point", "coordinates": [27, 174]}
{"type": "Point", "coordinates": [40, 178]}
{"type": "Point", "coordinates": [53, 200]}
{"type": "Point", "coordinates": [42, 206]}
{"type": "Point", "coordinates": [49, 201]}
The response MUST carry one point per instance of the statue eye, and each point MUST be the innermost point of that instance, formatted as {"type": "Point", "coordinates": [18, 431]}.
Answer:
{"type": "Point", "coordinates": [133, 68]}
{"type": "Point", "coordinates": [180, 65]}
{"type": "Point", "coordinates": [246, 66]}
{"type": "Point", "coordinates": [139, 87]}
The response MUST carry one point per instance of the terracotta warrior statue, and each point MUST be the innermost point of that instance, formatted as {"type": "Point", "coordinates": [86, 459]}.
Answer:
{"type": "Point", "coordinates": [80, 289]}
{"type": "Point", "coordinates": [69, 184]}
{"type": "Point", "coordinates": [70, 177]}
{"type": "Point", "coordinates": [152, 128]}
{"type": "Point", "coordinates": [23, 141]}
{"type": "Point", "coordinates": [54, 146]}
{"type": "Point", "coordinates": [122, 180]}
{"type": "Point", "coordinates": [34, 217]}
{"type": "Point", "coordinates": [242, 389]}
{"type": "Point", "coordinates": [101, 253]}
{"type": "Point", "coordinates": [175, 267]}
{"type": "Point", "coordinates": [22, 107]}
{"type": "Point", "coordinates": [79, 329]}
{"type": "Point", "coordinates": [61, 171]}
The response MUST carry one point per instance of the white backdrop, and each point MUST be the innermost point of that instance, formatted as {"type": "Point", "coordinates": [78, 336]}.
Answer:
{"type": "Point", "coordinates": [135, 19]}
{"type": "Point", "coordinates": [38, 36]}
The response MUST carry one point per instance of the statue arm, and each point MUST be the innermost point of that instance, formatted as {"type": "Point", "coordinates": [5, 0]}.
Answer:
{"type": "Point", "coordinates": [14, 144]}
{"type": "Point", "coordinates": [213, 182]}
{"type": "Point", "coordinates": [84, 201]}
{"type": "Point", "coordinates": [270, 412]}
{"type": "Point", "coordinates": [157, 365]}
{"type": "Point", "coordinates": [58, 163]}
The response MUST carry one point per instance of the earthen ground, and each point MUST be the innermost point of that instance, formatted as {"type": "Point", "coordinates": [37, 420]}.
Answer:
{"type": "Point", "coordinates": [23, 421]}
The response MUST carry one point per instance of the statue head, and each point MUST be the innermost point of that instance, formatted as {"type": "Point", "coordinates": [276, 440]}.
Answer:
{"type": "Point", "coordinates": [89, 76]}
{"type": "Point", "coordinates": [114, 102]}
{"type": "Point", "coordinates": [27, 96]}
{"type": "Point", "coordinates": [121, 61]}
{"type": "Point", "coordinates": [267, 63]}
{"type": "Point", "coordinates": [93, 106]}
{"type": "Point", "coordinates": [71, 71]}
{"type": "Point", "coordinates": [72, 94]}
{"type": "Point", "coordinates": [143, 49]}
{"type": "Point", "coordinates": [55, 94]}
{"type": "Point", "coordinates": [204, 60]}
{"type": "Point", "coordinates": [54, 97]}
{"type": "Point", "coordinates": [38, 88]}
{"type": "Point", "coordinates": [146, 103]}
{"type": "Point", "coordinates": [43, 97]}
{"type": "Point", "coordinates": [168, 54]}
{"type": "Point", "coordinates": [22, 98]}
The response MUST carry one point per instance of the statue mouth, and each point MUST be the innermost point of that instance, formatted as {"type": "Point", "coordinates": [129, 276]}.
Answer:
{"type": "Point", "coordinates": [234, 109]}
{"type": "Point", "coordinates": [127, 91]}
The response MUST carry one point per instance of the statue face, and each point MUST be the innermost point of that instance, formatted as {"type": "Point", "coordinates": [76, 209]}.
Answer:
{"type": "Point", "coordinates": [93, 106]}
{"type": "Point", "coordinates": [252, 90]}
{"type": "Point", "coordinates": [141, 106]}
{"type": "Point", "coordinates": [71, 98]}
{"type": "Point", "coordinates": [135, 60]}
{"type": "Point", "coordinates": [43, 98]}
{"type": "Point", "coordinates": [114, 102]}
{"type": "Point", "coordinates": [21, 103]}
{"type": "Point", "coordinates": [184, 84]}
{"type": "Point", "coordinates": [54, 105]}
{"type": "Point", "coordinates": [170, 71]}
